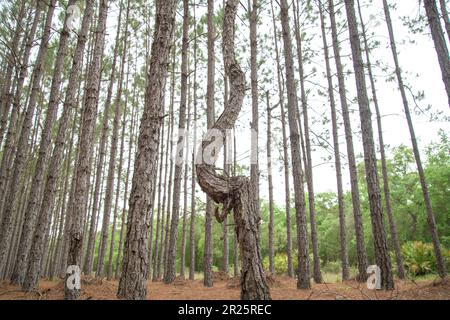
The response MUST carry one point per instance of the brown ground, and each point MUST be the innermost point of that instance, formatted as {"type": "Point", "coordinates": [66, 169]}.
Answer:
{"type": "Point", "coordinates": [282, 288]}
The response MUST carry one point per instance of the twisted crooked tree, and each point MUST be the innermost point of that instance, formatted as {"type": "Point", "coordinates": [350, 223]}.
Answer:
{"type": "Point", "coordinates": [235, 193]}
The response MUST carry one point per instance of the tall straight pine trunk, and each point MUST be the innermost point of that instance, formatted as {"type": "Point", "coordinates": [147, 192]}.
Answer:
{"type": "Point", "coordinates": [89, 117]}
{"type": "Point", "coordinates": [337, 154]}
{"type": "Point", "coordinates": [303, 281]}
{"type": "Point", "coordinates": [133, 283]}
{"type": "Point", "coordinates": [382, 257]}
{"type": "Point", "coordinates": [361, 253]}
{"type": "Point", "coordinates": [386, 188]}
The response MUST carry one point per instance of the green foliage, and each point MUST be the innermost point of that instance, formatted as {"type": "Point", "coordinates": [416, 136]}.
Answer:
{"type": "Point", "coordinates": [408, 207]}
{"type": "Point", "coordinates": [281, 262]}
{"type": "Point", "coordinates": [419, 258]}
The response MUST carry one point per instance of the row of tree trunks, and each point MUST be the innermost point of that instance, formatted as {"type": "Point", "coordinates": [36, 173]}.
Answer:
{"type": "Point", "coordinates": [112, 156]}
{"type": "Point", "coordinates": [426, 194]}
{"type": "Point", "coordinates": [337, 155]}
{"type": "Point", "coordinates": [361, 253]}
{"type": "Point", "coordinates": [386, 189]}
{"type": "Point", "coordinates": [172, 249]}
{"type": "Point", "coordinates": [8, 81]}
{"type": "Point", "coordinates": [317, 275]}
{"type": "Point", "coordinates": [43, 155]}
{"type": "Point", "coordinates": [9, 147]}
{"type": "Point", "coordinates": [89, 116]}
{"type": "Point", "coordinates": [89, 257]}
{"type": "Point", "coordinates": [287, 190]}
{"type": "Point", "coordinates": [22, 147]}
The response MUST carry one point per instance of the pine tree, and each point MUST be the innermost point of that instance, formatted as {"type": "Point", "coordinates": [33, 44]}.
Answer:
{"type": "Point", "coordinates": [133, 284]}
{"type": "Point", "coordinates": [382, 256]}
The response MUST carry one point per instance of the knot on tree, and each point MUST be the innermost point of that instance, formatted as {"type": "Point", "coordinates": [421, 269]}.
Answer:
{"type": "Point", "coordinates": [222, 213]}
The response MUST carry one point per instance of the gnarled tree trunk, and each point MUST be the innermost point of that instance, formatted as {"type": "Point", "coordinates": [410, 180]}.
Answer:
{"type": "Point", "coordinates": [235, 193]}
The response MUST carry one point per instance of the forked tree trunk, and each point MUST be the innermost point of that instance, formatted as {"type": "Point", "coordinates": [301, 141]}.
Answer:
{"type": "Point", "coordinates": [235, 193]}
{"type": "Point", "coordinates": [382, 257]}
{"type": "Point", "coordinates": [337, 155]}
{"type": "Point", "coordinates": [133, 283]}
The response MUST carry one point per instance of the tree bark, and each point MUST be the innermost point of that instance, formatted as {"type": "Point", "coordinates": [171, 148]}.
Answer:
{"type": "Point", "coordinates": [210, 119]}
{"type": "Point", "coordinates": [303, 281]}
{"type": "Point", "coordinates": [270, 183]}
{"type": "Point", "coordinates": [439, 41]}
{"type": "Point", "coordinates": [192, 252]}
{"type": "Point", "coordinates": [386, 189]}
{"type": "Point", "coordinates": [382, 257]}
{"type": "Point", "coordinates": [89, 113]}
{"type": "Point", "coordinates": [254, 166]}
{"type": "Point", "coordinates": [133, 284]}
{"type": "Point", "coordinates": [445, 17]}
{"type": "Point", "coordinates": [317, 275]}
{"type": "Point", "coordinates": [172, 250]}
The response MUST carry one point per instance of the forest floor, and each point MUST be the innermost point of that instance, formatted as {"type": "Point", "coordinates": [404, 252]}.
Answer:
{"type": "Point", "coordinates": [282, 288]}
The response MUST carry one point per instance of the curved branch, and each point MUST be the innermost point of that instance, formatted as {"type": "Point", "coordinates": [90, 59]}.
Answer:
{"type": "Point", "coordinates": [215, 185]}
